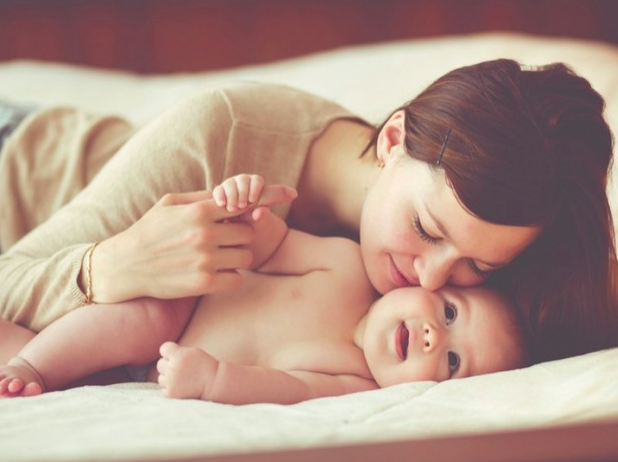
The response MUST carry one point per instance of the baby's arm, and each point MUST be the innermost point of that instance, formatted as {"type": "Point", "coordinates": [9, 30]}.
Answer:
{"type": "Point", "coordinates": [275, 248]}
{"type": "Point", "coordinates": [186, 372]}
{"type": "Point", "coordinates": [242, 192]}
{"type": "Point", "coordinates": [91, 339]}
{"type": "Point", "coordinates": [301, 253]}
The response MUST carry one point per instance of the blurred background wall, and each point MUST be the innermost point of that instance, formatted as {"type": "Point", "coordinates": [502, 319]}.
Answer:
{"type": "Point", "coordinates": [163, 36]}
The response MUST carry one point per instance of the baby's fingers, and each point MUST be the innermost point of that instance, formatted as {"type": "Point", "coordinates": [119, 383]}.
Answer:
{"type": "Point", "coordinates": [243, 190]}
{"type": "Point", "coordinates": [4, 385]}
{"type": "Point", "coordinates": [238, 192]}
{"type": "Point", "coordinates": [218, 195]}
{"type": "Point", "coordinates": [230, 191]}
{"type": "Point", "coordinates": [256, 185]}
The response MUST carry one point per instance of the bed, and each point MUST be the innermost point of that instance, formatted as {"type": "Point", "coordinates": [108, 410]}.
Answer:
{"type": "Point", "coordinates": [559, 410]}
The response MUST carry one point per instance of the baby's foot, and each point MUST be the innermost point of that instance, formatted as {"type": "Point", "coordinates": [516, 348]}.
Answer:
{"type": "Point", "coordinates": [19, 378]}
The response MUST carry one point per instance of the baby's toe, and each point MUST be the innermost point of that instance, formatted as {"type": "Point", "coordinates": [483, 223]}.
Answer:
{"type": "Point", "coordinates": [15, 386]}
{"type": "Point", "coordinates": [32, 389]}
{"type": "Point", "coordinates": [4, 384]}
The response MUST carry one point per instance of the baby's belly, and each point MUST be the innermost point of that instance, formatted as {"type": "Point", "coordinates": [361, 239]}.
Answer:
{"type": "Point", "coordinates": [269, 317]}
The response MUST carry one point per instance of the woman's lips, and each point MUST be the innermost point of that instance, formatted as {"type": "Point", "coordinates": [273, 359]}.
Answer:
{"type": "Point", "coordinates": [402, 339]}
{"type": "Point", "coordinates": [398, 277]}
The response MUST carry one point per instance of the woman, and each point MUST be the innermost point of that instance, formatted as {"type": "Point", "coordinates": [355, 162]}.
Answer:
{"type": "Point", "coordinates": [492, 169]}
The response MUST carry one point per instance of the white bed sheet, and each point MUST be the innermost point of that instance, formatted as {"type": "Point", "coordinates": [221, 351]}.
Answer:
{"type": "Point", "coordinates": [134, 421]}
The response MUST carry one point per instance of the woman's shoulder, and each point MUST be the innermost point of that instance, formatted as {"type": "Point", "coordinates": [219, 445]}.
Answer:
{"type": "Point", "coordinates": [273, 104]}
{"type": "Point", "coordinates": [265, 92]}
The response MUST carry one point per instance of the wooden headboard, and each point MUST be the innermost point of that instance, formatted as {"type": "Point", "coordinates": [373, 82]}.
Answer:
{"type": "Point", "coordinates": [161, 36]}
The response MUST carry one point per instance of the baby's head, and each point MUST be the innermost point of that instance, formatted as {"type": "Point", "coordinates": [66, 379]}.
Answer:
{"type": "Point", "coordinates": [412, 334]}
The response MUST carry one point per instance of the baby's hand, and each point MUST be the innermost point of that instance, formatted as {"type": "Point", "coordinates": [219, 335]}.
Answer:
{"type": "Point", "coordinates": [239, 192]}
{"type": "Point", "coordinates": [244, 191]}
{"type": "Point", "coordinates": [186, 373]}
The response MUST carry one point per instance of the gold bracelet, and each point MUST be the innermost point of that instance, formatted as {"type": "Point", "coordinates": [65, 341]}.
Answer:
{"type": "Point", "coordinates": [89, 300]}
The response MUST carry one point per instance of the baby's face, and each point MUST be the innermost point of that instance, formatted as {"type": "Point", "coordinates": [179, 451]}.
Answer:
{"type": "Point", "coordinates": [412, 334]}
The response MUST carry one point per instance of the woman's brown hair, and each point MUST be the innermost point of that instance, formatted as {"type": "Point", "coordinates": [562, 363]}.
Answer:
{"type": "Point", "coordinates": [529, 147]}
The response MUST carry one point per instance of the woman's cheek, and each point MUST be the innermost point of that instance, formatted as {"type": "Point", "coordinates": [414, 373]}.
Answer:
{"type": "Point", "coordinates": [466, 280]}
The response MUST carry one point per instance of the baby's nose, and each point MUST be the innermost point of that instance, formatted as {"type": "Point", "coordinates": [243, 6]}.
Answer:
{"type": "Point", "coordinates": [430, 337]}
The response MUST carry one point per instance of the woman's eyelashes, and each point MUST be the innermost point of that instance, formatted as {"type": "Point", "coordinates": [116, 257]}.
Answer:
{"type": "Point", "coordinates": [425, 236]}
{"type": "Point", "coordinates": [418, 226]}
{"type": "Point", "coordinates": [482, 274]}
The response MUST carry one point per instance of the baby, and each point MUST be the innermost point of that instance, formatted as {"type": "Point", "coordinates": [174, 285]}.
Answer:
{"type": "Point", "coordinates": [305, 323]}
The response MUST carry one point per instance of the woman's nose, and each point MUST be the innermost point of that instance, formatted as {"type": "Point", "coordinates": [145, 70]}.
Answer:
{"type": "Point", "coordinates": [431, 337]}
{"type": "Point", "coordinates": [433, 273]}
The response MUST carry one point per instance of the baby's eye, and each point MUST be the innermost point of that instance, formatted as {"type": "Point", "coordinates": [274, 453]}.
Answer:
{"type": "Point", "coordinates": [450, 313]}
{"type": "Point", "coordinates": [453, 362]}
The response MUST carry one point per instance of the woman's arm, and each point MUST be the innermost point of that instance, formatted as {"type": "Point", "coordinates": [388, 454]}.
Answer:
{"type": "Point", "coordinates": [185, 245]}
{"type": "Point", "coordinates": [175, 250]}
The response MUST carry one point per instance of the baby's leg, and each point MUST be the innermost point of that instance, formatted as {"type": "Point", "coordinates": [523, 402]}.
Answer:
{"type": "Point", "coordinates": [94, 338]}
{"type": "Point", "coordinates": [13, 338]}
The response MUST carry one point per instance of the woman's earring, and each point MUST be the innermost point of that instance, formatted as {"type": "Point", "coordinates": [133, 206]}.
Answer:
{"type": "Point", "coordinates": [380, 162]}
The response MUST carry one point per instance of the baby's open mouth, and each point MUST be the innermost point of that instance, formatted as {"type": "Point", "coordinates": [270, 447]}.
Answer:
{"type": "Point", "coordinates": [403, 337]}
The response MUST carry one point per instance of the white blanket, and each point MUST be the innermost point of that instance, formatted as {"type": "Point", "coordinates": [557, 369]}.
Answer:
{"type": "Point", "coordinates": [134, 421]}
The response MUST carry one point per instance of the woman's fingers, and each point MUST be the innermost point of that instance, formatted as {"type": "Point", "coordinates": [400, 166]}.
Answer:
{"type": "Point", "coordinates": [224, 280]}
{"type": "Point", "coordinates": [229, 258]}
{"type": "Point", "coordinates": [185, 198]}
{"type": "Point", "coordinates": [184, 246]}
{"type": "Point", "coordinates": [277, 194]}
{"type": "Point", "coordinates": [229, 234]}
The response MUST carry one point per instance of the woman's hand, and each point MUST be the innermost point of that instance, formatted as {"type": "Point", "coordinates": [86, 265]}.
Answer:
{"type": "Point", "coordinates": [184, 246]}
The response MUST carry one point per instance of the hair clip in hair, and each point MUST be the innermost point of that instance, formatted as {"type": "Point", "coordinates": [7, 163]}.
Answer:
{"type": "Point", "coordinates": [448, 134]}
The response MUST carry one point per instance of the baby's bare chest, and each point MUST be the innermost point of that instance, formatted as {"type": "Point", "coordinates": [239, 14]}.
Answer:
{"type": "Point", "coordinates": [284, 322]}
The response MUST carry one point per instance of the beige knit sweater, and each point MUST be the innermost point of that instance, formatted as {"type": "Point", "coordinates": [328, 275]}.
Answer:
{"type": "Point", "coordinates": [69, 179]}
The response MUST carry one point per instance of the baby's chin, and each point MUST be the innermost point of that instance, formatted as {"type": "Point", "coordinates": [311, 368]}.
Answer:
{"type": "Point", "coordinates": [385, 382]}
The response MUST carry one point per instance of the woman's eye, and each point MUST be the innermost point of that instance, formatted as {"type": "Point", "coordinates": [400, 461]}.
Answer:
{"type": "Point", "coordinates": [421, 231]}
{"type": "Point", "coordinates": [453, 362]}
{"type": "Point", "coordinates": [481, 274]}
{"type": "Point", "coordinates": [450, 313]}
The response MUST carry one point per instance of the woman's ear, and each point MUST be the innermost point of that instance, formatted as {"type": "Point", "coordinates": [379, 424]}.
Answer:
{"type": "Point", "coordinates": [392, 136]}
